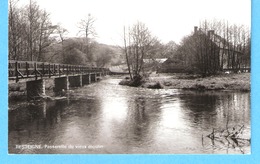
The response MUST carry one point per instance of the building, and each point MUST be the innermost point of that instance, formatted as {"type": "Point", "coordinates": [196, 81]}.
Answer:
{"type": "Point", "coordinates": [153, 64]}
{"type": "Point", "coordinates": [232, 56]}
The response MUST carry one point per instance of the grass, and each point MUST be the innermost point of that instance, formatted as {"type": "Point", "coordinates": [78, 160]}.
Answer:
{"type": "Point", "coordinates": [219, 82]}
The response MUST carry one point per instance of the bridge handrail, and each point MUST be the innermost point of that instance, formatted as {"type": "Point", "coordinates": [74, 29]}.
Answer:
{"type": "Point", "coordinates": [27, 69]}
{"type": "Point", "coordinates": [37, 62]}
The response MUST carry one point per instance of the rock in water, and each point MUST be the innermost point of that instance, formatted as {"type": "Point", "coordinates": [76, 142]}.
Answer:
{"type": "Point", "coordinates": [156, 85]}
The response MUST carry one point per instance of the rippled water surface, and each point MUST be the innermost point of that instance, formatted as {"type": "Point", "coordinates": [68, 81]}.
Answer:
{"type": "Point", "coordinates": [109, 119]}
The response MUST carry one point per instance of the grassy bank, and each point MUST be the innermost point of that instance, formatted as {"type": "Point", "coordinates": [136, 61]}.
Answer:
{"type": "Point", "coordinates": [219, 82]}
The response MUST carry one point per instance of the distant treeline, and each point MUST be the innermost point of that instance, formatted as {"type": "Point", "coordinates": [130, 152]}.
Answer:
{"type": "Point", "coordinates": [210, 48]}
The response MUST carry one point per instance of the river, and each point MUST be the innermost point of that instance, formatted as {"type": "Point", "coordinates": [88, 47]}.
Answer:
{"type": "Point", "coordinates": [106, 118]}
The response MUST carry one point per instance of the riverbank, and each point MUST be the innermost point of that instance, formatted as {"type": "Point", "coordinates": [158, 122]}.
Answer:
{"type": "Point", "coordinates": [239, 82]}
{"type": "Point", "coordinates": [219, 82]}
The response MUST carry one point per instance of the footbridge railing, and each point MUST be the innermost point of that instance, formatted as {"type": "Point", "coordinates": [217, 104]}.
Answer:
{"type": "Point", "coordinates": [29, 69]}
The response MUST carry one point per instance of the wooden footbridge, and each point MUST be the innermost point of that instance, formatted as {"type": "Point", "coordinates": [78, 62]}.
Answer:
{"type": "Point", "coordinates": [36, 70]}
{"type": "Point", "coordinates": [65, 76]}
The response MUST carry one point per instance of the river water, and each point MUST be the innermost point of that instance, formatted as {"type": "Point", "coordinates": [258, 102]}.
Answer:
{"type": "Point", "coordinates": [106, 118]}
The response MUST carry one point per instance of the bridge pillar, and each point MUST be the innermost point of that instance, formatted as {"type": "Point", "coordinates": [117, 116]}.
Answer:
{"type": "Point", "coordinates": [60, 84]}
{"type": "Point", "coordinates": [93, 77]}
{"type": "Point", "coordinates": [75, 81]}
{"type": "Point", "coordinates": [99, 76]}
{"type": "Point", "coordinates": [86, 79]}
{"type": "Point", "coordinates": [35, 89]}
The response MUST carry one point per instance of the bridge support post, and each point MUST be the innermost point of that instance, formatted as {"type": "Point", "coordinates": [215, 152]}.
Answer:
{"type": "Point", "coordinates": [60, 84]}
{"type": "Point", "coordinates": [35, 89]}
{"type": "Point", "coordinates": [99, 76]}
{"type": "Point", "coordinates": [93, 77]}
{"type": "Point", "coordinates": [86, 79]}
{"type": "Point", "coordinates": [75, 81]}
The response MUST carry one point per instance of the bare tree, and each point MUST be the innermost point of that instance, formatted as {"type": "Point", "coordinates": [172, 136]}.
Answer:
{"type": "Point", "coordinates": [237, 40]}
{"type": "Point", "coordinates": [33, 15]}
{"type": "Point", "coordinates": [30, 31]}
{"type": "Point", "coordinates": [126, 55]}
{"type": "Point", "coordinates": [87, 29]}
{"type": "Point", "coordinates": [61, 33]}
{"type": "Point", "coordinates": [215, 46]}
{"type": "Point", "coordinates": [136, 47]}
{"type": "Point", "coordinates": [13, 30]}
{"type": "Point", "coordinates": [169, 50]}
{"type": "Point", "coordinates": [45, 31]}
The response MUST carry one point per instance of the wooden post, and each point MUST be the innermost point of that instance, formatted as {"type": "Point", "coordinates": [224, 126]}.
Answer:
{"type": "Point", "coordinates": [16, 72]}
{"type": "Point", "coordinates": [27, 69]}
{"type": "Point", "coordinates": [35, 70]}
{"type": "Point", "coordinates": [59, 69]}
{"type": "Point", "coordinates": [54, 69]}
{"type": "Point", "coordinates": [43, 71]}
{"type": "Point", "coordinates": [49, 70]}
{"type": "Point", "coordinates": [67, 69]}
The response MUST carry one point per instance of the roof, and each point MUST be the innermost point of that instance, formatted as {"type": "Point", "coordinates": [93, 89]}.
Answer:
{"type": "Point", "coordinates": [158, 60]}
{"type": "Point", "coordinates": [119, 68]}
{"type": "Point", "coordinates": [217, 39]}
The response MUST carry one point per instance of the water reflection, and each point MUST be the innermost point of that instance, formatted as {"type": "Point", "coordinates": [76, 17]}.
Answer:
{"type": "Point", "coordinates": [219, 112]}
{"type": "Point", "coordinates": [130, 120]}
{"type": "Point", "coordinates": [217, 109]}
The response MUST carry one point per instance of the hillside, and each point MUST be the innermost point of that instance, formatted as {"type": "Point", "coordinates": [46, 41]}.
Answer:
{"type": "Point", "coordinates": [76, 51]}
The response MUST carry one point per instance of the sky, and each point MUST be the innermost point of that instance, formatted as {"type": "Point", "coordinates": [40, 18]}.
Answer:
{"type": "Point", "coordinates": [168, 20]}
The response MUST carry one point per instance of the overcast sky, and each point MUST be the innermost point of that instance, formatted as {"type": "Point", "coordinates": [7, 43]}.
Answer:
{"type": "Point", "coordinates": [166, 19]}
